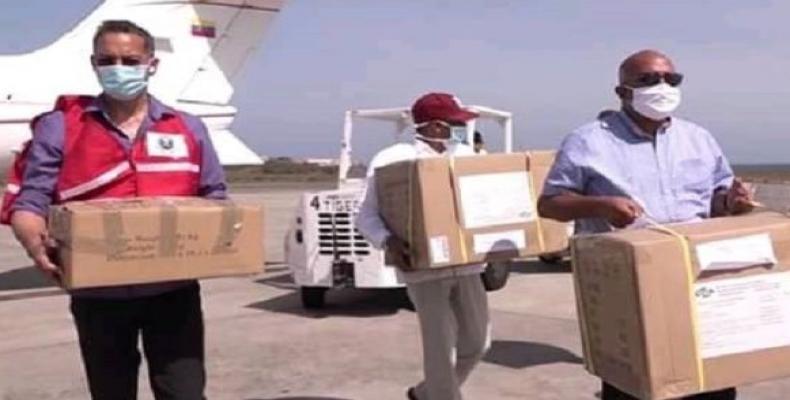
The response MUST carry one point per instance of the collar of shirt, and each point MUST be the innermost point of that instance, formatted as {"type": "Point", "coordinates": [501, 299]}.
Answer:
{"type": "Point", "coordinates": [156, 110]}
{"type": "Point", "coordinates": [639, 132]}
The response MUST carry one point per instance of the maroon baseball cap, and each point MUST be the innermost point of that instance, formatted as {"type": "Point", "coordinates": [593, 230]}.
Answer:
{"type": "Point", "coordinates": [439, 106]}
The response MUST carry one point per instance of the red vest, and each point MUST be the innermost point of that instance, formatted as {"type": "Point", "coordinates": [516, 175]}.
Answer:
{"type": "Point", "coordinates": [164, 161]}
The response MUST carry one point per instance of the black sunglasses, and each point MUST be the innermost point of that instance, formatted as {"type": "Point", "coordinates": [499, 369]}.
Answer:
{"type": "Point", "coordinates": [103, 61]}
{"type": "Point", "coordinates": [654, 78]}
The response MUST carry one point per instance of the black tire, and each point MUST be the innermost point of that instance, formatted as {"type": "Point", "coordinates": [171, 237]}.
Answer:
{"type": "Point", "coordinates": [495, 275]}
{"type": "Point", "coordinates": [313, 297]}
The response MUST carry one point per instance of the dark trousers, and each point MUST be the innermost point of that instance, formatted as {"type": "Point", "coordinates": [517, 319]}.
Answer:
{"type": "Point", "coordinates": [171, 326]}
{"type": "Point", "coordinates": [609, 392]}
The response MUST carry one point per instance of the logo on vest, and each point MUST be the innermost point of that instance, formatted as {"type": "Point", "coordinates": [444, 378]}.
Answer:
{"type": "Point", "coordinates": [166, 145]}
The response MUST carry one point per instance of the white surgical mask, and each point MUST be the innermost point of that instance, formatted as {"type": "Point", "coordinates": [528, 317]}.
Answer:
{"type": "Point", "coordinates": [655, 102]}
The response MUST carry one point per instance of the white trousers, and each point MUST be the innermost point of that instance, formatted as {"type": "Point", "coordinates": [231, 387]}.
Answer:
{"type": "Point", "coordinates": [456, 333]}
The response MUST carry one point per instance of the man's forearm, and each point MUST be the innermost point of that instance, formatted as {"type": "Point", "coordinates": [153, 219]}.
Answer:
{"type": "Point", "coordinates": [372, 228]}
{"type": "Point", "coordinates": [569, 206]}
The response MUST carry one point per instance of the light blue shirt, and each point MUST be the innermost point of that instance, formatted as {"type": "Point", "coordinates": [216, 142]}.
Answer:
{"type": "Point", "coordinates": [673, 177]}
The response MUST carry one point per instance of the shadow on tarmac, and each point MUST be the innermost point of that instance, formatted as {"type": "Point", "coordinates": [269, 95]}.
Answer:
{"type": "Point", "coordinates": [539, 267]}
{"type": "Point", "coordinates": [365, 302]}
{"type": "Point", "coordinates": [299, 398]}
{"type": "Point", "coordinates": [339, 302]}
{"type": "Point", "coordinates": [23, 278]}
{"type": "Point", "coordinates": [518, 354]}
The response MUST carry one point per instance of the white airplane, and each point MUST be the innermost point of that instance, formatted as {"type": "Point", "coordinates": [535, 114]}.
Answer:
{"type": "Point", "coordinates": [202, 45]}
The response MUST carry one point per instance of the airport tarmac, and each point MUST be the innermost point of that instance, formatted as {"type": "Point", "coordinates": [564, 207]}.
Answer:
{"type": "Point", "coordinates": [261, 345]}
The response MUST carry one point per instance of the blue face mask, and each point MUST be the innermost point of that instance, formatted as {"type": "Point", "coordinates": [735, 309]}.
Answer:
{"type": "Point", "coordinates": [122, 82]}
{"type": "Point", "coordinates": [457, 134]}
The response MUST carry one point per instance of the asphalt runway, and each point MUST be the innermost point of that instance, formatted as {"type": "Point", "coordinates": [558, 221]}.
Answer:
{"type": "Point", "coordinates": [261, 345]}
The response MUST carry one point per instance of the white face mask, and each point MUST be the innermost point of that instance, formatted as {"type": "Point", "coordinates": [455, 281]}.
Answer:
{"type": "Point", "coordinates": [655, 102]}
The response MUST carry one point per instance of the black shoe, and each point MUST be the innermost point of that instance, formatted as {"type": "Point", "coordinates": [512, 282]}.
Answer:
{"type": "Point", "coordinates": [411, 394]}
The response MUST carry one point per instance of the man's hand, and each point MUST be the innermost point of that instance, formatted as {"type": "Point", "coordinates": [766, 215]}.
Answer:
{"type": "Point", "coordinates": [399, 250]}
{"type": "Point", "coordinates": [30, 230]}
{"type": "Point", "coordinates": [619, 211]}
{"type": "Point", "coordinates": [740, 198]}
{"type": "Point", "coordinates": [40, 253]}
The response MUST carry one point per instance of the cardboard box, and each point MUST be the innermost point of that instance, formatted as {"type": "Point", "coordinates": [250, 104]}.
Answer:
{"type": "Point", "coordinates": [464, 210]}
{"type": "Point", "coordinates": [142, 240]}
{"type": "Point", "coordinates": [555, 234]}
{"type": "Point", "coordinates": [651, 333]}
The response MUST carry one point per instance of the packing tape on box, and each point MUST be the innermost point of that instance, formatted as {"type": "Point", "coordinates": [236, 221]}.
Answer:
{"type": "Point", "coordinates": [112, 223]}
{"type": "Point", "coordinates": [229, 227]}
{"type": "Point", "coordinates": [461, 238]}
{"type": "Point", "coordinates": [688, 262]}
{"type": "Point", "coordinates": [409, 236]}
{"type": "Point", "coordinates": [168, 229]}
{"type": "Point", "coordinates": [534, 194]}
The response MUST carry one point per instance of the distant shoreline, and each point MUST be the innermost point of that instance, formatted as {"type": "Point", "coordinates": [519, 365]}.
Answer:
{"type": "Point", "coordinates": [763, 173]}
{"type": "Point", "coordinates": [749, 173]}
{"type": "Point", "coordinates": [254, 176]}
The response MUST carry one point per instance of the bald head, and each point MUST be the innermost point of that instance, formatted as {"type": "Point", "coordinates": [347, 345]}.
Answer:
{"type": "Point", "coordinates": [641, 62]}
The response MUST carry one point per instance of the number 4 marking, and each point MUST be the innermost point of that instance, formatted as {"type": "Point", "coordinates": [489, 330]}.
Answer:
{"type": "Point", "coordinates": [315, 203]}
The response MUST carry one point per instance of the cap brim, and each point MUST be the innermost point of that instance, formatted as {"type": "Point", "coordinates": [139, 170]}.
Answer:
{"type": "Point", "coordinates": [462, 116]}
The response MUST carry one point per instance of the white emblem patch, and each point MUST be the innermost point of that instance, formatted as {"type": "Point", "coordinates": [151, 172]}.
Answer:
{"type": "Point", "coordinates": [166, 145]}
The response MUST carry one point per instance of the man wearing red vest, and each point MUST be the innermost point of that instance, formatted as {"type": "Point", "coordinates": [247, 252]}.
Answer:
{"type": "Point", "coordinates": [123, 143]}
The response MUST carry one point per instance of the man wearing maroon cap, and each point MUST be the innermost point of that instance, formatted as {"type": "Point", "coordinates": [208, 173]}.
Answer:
{"type": "Point", "coordinates": [451, 303]}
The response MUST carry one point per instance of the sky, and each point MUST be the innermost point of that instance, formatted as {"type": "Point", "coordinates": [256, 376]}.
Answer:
{"type": "Point", "coordinates": [552, 63]}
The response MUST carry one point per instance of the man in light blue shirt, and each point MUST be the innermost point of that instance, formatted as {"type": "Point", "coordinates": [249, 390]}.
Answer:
{"type": "Point", "coordinates": [640, 164]}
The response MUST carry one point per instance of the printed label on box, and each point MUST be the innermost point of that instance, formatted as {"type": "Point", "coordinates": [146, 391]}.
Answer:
{"type": "Point", "coordinates": [737, 253]}
{"type": "Point", "coordinates": [495, 199]}
{"type": "Point", "coordinates": [440, 250]}
{"type": "Point", "coordinates": [740, 315]}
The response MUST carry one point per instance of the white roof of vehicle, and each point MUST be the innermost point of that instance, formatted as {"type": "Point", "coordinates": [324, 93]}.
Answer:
{"type": "Point", "coordinates": [403, 114]}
